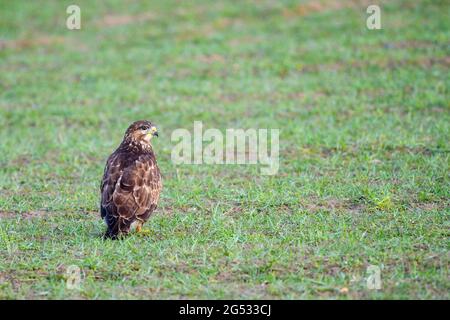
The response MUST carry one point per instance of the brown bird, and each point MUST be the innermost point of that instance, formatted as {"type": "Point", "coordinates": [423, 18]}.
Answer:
{"type": "Point", "coordinates": [131, 182]}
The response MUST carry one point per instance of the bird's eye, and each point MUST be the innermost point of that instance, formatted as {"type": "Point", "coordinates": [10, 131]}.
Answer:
{"type": "Point", "coordinates": [143, 128]}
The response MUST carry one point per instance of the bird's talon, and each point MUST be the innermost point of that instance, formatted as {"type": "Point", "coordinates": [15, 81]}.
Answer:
{"type": "Point", "coordinates": [145, 232]}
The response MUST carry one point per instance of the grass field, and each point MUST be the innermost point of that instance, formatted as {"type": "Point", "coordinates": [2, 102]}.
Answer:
{"type": "Point", "coordinates": [364, 148]}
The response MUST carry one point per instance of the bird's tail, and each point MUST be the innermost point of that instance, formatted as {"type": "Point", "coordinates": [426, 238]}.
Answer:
{"type": "Point", "coordinates": [117, 227]}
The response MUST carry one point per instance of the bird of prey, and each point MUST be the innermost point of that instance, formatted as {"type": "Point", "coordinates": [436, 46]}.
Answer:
{"type": "Point", "coordinates": [131, 182]}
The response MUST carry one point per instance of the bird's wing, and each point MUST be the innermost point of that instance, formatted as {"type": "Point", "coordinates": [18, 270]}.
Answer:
{"type": "Point", "coordinates": [147, 194]}
{"type": "Point", "coordinates": [137, 190]}
{"type": "Point", "coordinates": [113, 172]}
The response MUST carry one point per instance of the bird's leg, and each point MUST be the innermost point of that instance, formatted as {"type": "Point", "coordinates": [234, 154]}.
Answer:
{"type": "Point", "coordinates": [140, 230]}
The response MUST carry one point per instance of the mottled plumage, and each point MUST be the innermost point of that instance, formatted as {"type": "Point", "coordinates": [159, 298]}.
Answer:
{"type": "Point", "coordinates": [131, 182]}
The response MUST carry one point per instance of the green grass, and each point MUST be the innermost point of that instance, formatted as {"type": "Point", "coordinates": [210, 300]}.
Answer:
{"type": "Point", "coordinates": [364, 151]}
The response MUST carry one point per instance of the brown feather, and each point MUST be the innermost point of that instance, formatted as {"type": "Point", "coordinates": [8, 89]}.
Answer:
{"type": "Point", "coordinates": [131, 183]}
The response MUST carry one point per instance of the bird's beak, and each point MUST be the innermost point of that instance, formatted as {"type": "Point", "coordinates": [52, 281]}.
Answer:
{"type": "Point", "coordinates": [154, 131]}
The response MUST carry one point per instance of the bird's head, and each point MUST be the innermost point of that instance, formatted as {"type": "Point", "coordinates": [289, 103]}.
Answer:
{"type": "Point", "coordinates": [141, 132]}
